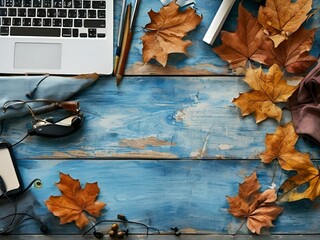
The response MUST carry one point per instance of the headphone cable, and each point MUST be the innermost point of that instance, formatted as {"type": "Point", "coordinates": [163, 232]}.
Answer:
{"type": "Point", "coordinates": [13, 224]}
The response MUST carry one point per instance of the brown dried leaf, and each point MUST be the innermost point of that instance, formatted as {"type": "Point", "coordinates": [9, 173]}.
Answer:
{"type": "Point", "coordinates": [282, 18]}
{"type": "Point", "coordinates": [240, 46]}
{"type": "Point", "coordinates": [75, 202]}
{"type": "Point", "coordinates": [267, 90]}
{"type": "Point", "coordinates": [292, 54]}
{"type": "Point", "coordinates": [258, 208]}
{"type": "Point", "coordinates": [166, 30]}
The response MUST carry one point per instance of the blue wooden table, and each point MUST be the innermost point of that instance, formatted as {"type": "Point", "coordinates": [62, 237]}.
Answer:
{"type": "Point", "coordinates": [166, 147]}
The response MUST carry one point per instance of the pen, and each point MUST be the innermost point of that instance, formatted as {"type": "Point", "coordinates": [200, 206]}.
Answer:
{"type": "Point", "coordinates": [126, 43]}
{"type": "Point", "coordinates": [120, 36]}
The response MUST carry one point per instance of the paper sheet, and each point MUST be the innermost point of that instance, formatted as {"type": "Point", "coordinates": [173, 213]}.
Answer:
{"type": "Point", "coordinates": [181, 3]}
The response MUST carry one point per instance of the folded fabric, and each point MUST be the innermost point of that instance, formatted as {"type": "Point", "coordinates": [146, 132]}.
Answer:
{"type": "Point", "coordinates": [27, 88]}
{"type": "Point", "coordinates": [304, 106]}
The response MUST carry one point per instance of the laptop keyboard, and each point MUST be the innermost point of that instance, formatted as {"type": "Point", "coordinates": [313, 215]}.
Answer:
{"type": "Point", "coordinates": [53, 18]}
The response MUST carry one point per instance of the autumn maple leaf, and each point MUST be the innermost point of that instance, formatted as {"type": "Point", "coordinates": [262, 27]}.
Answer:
{"type": "Point", "coordinates": [75, 202]}
{"type": "Point", "coordinates": [166, 30]}
{"type": "Point", "coordinates": [305, 184]}
{"type": "Point", "coordinates": [292, 54]}
{"type": "Point", "coordinates": [281, 146]}
{"type": "Point", "coordinates": [258, 208]}
{"type": "Point", "coordinates": [267, 90]}
{"type": "Point", "coordinates": [240, 46]}
{"type": "Point", "coordinates": [282, 18]}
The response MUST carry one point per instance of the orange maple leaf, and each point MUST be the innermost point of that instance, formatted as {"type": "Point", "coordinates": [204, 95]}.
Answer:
{"type": "Point", "coordinates": [75, 202]}
{"type": "Point", "coordinates": [258, 208]}
{"type": "Point", "coordinates": [292, 54]}
{"type": "Point", "coordinates": [240, 46]}
{"type": "Point", "coordinates": [267, 90]}
{"type": "Point", "coordinates": [166, 30]}
{"type": "Point", "coordinates": [282, 18]}
{"type": "Point", "coordinates": [281, 146]}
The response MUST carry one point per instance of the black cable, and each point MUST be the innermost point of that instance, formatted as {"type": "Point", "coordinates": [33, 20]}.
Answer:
{"type": "Point", "coordinates": [3, 232]}
{"type": "Point", "coordinates": [14, 223]}
{"type": "Point", "coordinates": [30, 94]}
{"type": "Point", "coordinates": [122, 221]}
{"type": "Point", "coordinates": [29, 186]}
{"type": "Point", "coordinates": [18, 224]}
{"type": "Point", "coordinates": [13, 145]}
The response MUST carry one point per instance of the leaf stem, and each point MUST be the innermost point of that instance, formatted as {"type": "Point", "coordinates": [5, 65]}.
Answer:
{"type": "Point", "coordinates": [243, 221]}
{"type": "Point", "coordinates": [92, 225]}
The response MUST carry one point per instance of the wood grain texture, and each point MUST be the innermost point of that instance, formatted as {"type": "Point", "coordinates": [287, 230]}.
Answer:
{"type": "Point", "coordinates": [189, 194]}
{"type": "Point", "coordinates": [164, 150]}
{"type": "Point", "coordinates": [168, 237]}
{"type": "Point", "coordinates": [200, 60]}
{"type": "Point", "coordinates": [194, 117]}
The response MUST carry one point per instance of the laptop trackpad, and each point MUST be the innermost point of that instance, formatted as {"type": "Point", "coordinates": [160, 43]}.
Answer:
{"type": "Point", "coordinates": [37, 55]}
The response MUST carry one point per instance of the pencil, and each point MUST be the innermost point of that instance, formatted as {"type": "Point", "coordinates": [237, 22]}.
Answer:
{"type": "Point", "coordinates": [126, 44]}
{"type": "Point", "coordinates": [120, 36]}
{"type": "Point", "coordinates": [127, 36]}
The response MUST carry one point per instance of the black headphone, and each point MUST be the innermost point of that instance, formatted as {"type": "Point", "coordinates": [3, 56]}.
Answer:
{"type": "Point", "coordinates": [52, 126]}
{"type": "Point", "coordinates": [49, 127]}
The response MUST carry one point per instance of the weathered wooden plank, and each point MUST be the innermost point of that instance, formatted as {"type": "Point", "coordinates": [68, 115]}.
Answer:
{"type": "Point", "coordinates": [169, 237]}
{"type": "Point", "coordinates": [164, 118]}
{"type": "Point", "coordinates": [156, 117]}
{"type": "Point", "coordinates": [188, 194]}
{"type": "Point", "coordinates": [201, 60]}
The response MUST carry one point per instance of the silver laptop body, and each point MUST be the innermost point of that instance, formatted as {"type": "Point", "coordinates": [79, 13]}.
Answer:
{"type": "Point", "coordinates": [56, 36]}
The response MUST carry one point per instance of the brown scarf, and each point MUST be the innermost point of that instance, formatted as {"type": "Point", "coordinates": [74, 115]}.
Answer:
{"type": "Point", "coordinates": [304, 106]}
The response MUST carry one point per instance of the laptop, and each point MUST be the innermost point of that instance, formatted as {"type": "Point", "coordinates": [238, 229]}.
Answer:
{"type": "Point", "coordinates": [64, 37]}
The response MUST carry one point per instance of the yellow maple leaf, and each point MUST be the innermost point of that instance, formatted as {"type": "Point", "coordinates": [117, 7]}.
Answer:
{"type": "Point", "coordinates": [75, 202]}
{"type": "Point", "coordinates": [282, 18]}
{"type": "Point", "coordinates": [266, 90]}
{"type": "Point", "coordinates": [281, 146]}
{"type": "Point", "coordinates": [166, 30]}
{"type": "Point", "coordinates": [305, 184]}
